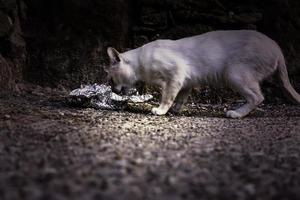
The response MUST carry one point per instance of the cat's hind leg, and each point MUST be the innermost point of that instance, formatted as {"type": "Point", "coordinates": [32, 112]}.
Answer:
{"type": "Point", "coordinates": [250, 90]}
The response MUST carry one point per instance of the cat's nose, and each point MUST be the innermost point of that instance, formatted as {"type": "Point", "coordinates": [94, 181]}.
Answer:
{"type": "Point", "coordinates": [125, 91]}
{"type": "Point", "coordinates": [115, 90]}
{"type": "Point", "coordinates": [122, 91]}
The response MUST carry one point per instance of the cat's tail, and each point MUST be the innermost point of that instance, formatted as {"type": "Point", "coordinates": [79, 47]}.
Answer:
{"type": "Point", "coordinates": [285, 82]}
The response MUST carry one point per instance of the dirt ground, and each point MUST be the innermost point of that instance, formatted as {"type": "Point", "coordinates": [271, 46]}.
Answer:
{"type": "Point", "coordinates": [49, 150]}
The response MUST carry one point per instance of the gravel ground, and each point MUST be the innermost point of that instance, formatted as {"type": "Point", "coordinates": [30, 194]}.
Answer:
{"type": "Point", "coordinates": [51, 151]}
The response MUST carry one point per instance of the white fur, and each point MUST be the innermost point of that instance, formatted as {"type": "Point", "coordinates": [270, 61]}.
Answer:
{"type": "Point", "coordinates": [241, 59]}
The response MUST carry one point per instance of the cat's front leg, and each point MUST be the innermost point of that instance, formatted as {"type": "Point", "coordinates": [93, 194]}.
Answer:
{"type": "Point", "coordinates": [169, 93]}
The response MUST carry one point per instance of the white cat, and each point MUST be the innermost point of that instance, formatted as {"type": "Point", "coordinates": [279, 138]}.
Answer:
{"type": "Point", "coordinates": [241, 59]}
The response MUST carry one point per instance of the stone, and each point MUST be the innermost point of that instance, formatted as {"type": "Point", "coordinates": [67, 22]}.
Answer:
{"type": "Point", "coordinates": [5, 24]}
{"type": "Point", "coordinates": [6, 82]}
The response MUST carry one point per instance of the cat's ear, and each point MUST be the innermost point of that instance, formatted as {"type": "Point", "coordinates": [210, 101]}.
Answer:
{"type": "Point", "coordinates": [114, 55]}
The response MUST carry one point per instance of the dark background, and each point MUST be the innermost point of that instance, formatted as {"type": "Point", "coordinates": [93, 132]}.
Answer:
{"type": "Point", "coordinates": [63, 42]}
{"type": "Point", "coordinates": [52, 150]}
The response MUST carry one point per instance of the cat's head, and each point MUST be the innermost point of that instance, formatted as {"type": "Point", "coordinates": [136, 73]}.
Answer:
{"type": "Point", "coordinates": [121, 74]}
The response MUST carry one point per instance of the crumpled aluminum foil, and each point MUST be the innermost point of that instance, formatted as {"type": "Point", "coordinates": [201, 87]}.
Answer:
{"type": "Point", "coordinates": [102, 97]}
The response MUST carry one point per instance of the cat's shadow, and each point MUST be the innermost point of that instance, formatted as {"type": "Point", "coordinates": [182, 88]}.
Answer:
{"type": "Point", "coordinates": [217, 113]}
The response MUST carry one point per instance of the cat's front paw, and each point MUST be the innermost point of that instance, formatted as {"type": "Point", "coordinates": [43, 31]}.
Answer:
{"type": "Point", "coordinates": [158, 111]}
{"type": "Point", "coordinates": [233, 114]}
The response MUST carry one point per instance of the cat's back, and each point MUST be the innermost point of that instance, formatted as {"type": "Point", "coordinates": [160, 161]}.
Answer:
{"type": "Point", "coordinates": [215, 48]}
{"type": "Point", "coordinates": [226, 38]}
{"type": "Point", "coordinates": [222, 46]}
{"type": "Point", "coordinates": [213, 42]}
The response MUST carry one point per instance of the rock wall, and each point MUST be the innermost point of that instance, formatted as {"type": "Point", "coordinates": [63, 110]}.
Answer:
{"type": "Point", "coordinates": [12, 45]}
{"type": "Point", "coordinates": [67, 39]}
{"type": "Point", "coordinates": [63, 42]}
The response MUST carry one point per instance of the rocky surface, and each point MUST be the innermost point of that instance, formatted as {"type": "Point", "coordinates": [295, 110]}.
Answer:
{"type": "Point", "coordinates": [51, 151]}
{"type": "Point", "coordinates": [12, 45]}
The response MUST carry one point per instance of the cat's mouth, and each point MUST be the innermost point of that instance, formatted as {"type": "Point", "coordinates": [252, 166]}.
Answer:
{"type": "Point", "coordinates": [123, 91]}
